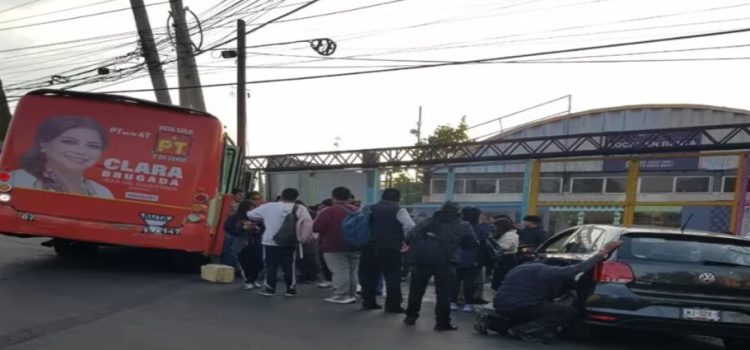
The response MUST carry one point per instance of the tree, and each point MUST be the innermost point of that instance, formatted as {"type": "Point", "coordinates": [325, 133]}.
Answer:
{"type": "Point", "coordinates": [447, 134]}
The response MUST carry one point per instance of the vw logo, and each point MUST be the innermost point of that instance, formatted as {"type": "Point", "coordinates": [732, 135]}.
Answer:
{"type": "Point", "coordinates": [707, 278]}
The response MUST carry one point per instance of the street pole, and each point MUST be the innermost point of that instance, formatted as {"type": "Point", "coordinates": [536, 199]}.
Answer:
{"type": "Point", "coordinates": [419, 126]}
{"type": "Point", "coordinates": [4, 113]}
{"type": "Point", "coordinates": [191, 94]}
{"type": "Point", "coordinates": [150, 52]}
{"type": "Point", "coordinates": [241, 89]}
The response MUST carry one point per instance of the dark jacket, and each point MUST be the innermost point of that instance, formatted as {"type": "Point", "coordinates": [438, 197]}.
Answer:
{"type": "Point", "coordinates": [533, 237]}
{"type": "Point", "coordinates": [387, 232]}
{"type": "Point", "coordinates": [471, 257]}
{"type": "Point", "coordinates": [328, 226]}
{"type": "Point", "coordinates": [533, 284]}
{"type": "Point", "coordinates": [458, 233]}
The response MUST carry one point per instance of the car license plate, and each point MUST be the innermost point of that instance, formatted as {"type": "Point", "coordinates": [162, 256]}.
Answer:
{"type": "Point", "coordinates": [701, 315]}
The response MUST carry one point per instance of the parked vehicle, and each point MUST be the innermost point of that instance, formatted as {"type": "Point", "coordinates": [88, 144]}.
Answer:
{"type": "Point", "coordinates": [661, 279]}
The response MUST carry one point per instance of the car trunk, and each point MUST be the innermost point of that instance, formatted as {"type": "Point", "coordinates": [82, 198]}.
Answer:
{"type": "Point", "coordinates": [688, 266]}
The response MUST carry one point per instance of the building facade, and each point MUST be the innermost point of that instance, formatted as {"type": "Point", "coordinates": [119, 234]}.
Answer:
{"type": "Point", "coordinates": [705, 190]}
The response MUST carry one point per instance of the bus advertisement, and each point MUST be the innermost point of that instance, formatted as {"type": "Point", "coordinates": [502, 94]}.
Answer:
{"type": "Point", "coordinates": [104, 169]}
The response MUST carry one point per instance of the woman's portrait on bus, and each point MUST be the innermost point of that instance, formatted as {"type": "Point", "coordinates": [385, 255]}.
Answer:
{"type": "Point", "coordinates": [64, 148]}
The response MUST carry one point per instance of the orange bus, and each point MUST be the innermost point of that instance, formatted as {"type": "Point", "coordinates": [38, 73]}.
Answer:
{"type": "Point", "coordinates": [88, 169]}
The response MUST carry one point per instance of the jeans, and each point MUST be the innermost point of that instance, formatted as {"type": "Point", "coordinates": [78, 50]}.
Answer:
{"type": "Point", "coordinates": [445, 277]}
{"type": "Point", "coordinates": [378, 264]}
{"type": "Point", "coordinates": [548, 317]}
{"type": "Point", "coordinates": [506, 263]}
{"type": "Point", "coordinates": [280, 257]}
{"type": "Point", "coordinates": [344, 267]}
{"type": "Point", "coordinates": [466, 278]}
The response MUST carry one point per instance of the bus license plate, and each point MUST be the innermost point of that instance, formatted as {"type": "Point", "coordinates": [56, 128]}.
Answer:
{"type": "Point", "coordinates": [701, 315]}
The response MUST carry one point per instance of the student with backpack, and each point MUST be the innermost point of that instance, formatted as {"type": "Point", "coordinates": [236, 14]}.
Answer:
{"type": "Point", "coordinates": [382, 256]}
{"type": "Point", "coordinates": [342, 258]}
{"type": "Point", "coordinates": [287, 225]}
{"type": "Point", "coordinates": [435, 250]}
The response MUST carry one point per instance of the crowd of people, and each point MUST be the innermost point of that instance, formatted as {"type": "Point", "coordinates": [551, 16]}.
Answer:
{"type": "Point", "coordinates": [462, 249]}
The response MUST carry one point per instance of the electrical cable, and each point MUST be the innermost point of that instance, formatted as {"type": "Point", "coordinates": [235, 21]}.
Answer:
{"type": "Point", "coordinates": [19, 6]}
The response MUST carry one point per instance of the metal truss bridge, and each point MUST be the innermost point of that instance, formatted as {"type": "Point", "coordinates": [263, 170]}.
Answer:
{"type": "Point", "coordinates": [687, 139]}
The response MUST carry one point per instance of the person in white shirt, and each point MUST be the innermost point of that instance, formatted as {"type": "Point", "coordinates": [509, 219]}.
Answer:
{"type": "Point", "coordinates": [507, 239]}
{"type": "Point", "coordinates": [273, 215]}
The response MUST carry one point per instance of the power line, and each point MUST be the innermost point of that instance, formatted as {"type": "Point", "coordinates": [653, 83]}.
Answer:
{"type": "Point", "coordinates": [55, 12]}
{"type": "Point", "coordinates": [19, 6]}
{"type": "Point", "coordinates": [457, 63]}
{"type": "Point", "coordinates": [79, 17]}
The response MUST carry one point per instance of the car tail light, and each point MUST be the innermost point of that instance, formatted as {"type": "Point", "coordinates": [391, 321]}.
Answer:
{"type": "Point", "coordinates": [195, 217]}
{"type": "Point", "coordinates": [614, 272]}
{"type": "Point", "coordinates": [604, 318]}
{"type": "Point", "coordinates": [4, 176]}
{"type": "Point", "coordinates": [200, 198]}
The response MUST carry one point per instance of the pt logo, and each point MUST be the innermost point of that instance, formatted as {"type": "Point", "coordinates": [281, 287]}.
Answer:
{"type": "Point", "coordinates": [156, 224]}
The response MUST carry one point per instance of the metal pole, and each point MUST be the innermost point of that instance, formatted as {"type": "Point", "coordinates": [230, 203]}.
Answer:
{"type": "Point", "coordinates": [419, 126]}
{"type": "Point", "coordinates": [241, 89]}
{"type": "Point", "coordinates": [191, 94]}
{"type": "Point", "coordinates": [4, 113]}
{"type": "Point", "coordinates": [150, 52]}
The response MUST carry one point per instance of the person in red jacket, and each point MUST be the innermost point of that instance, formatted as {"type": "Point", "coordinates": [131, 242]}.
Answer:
{"type": "Point", "coordinates": [341, 258]}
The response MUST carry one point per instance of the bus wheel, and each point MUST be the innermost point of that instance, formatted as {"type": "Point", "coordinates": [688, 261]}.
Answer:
{"type": "Point", "coordinates": [65, 248]}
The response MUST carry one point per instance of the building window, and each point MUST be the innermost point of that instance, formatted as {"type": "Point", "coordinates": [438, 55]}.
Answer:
{"type": "Point", "coordinates": [510, 185]}
{"type": "Point", "coordinates": [616, 185]}
{"type": "Point", "coordinates": [481, 186]}
{"type": "Point", "coordinates": [656, 184]}
{"type": "Point", "coordinates": [550, 185]}
{"type": "Point", "coordinates": [729, 183]}
{"type": "Point", "coordinates": [439, 186]}
{"type": "Point", "coordinates": [587, 185]}
{"type": "Point", "coordinates": [692, 184]}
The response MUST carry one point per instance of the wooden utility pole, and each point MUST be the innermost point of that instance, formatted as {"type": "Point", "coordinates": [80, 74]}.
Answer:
{"type": "Point", "coordinates": [4, 113]}
{"type": "Point", "coordinates": [191, 94]}
{"type": "Point", "coordinates": [241, 89]}
{"type": "Point", "coordinates": [150, 52]}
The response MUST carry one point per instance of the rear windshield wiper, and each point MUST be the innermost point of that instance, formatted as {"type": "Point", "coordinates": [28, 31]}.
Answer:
{"type": "Point", "coordinates": [722, 263]}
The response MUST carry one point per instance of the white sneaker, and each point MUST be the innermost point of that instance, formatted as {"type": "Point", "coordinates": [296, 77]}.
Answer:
{"type": "Point", "coordinates": [325, 284]}
{"type": "Point", "coordinates": [468, 308]}
{"type": "Point", "coordinates": [257, 284]}
{"type": "Point", "coordinates": [341, 300]}
{"type": "Point", "coordinates": [248, 286]}
{"type": "Point", "coordinates": [454, 307]}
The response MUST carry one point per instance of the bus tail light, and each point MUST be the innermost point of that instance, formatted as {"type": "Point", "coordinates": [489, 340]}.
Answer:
{"type": "Point", "coordinates": [199, 208]}
{"type": "Point", "coordinates": [4, 197]}
{"type": "Point", "coordinates": [4, 176]}
{"type": "Point", "coordinates": [195, 218]}
{"type": "Point", "coordinates": [5, 188]}
{"type": "Point", "coordinates": [201, 198]}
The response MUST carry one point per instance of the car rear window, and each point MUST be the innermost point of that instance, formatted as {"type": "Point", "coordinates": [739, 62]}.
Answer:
{"type": "Point", "coordinates": [686, 249]}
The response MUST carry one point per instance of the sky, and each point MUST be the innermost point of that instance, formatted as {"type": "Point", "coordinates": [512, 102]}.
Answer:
{"type": "Point", "coordinates": [379, 110]}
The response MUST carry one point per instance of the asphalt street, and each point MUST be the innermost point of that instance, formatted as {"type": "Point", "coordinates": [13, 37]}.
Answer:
{"type": "Point", "coordinates": [134, 299]}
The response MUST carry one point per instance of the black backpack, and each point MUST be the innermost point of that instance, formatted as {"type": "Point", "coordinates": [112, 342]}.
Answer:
{"type": "Point", "coordinates": [287, 235]}
{"type": "Point", "coordinates": [428, 248]}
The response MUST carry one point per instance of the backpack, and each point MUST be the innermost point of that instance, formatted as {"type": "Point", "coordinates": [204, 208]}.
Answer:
{"type": "Point", "coordinates": [287, 235]}
{"type": "Point", "coordinates": [428, 248]}
{"type": "Point", "coordinates": [356, 227]}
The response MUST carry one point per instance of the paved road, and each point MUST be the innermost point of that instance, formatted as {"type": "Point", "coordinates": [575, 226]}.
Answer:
{"type": "Point", "coordinates": [125, 299]}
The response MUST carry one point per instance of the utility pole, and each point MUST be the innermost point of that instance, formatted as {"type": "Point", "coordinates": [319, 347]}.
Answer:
{"type": "Point", "coordinates": [150, 52]}
{"type": "Point", "coordinates": [241, 89]}
{"type": "Point", "coordinates": [4, 113]}
{"type": "Point", "coordinates": [191, 94]}
{"type": "Point", "coordinates": [418, 131]}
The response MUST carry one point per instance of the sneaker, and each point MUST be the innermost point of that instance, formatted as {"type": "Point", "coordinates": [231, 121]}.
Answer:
{"type": "Point", "coordinates": [468, 308]}
{"type": "Point", "coordinates": [410, 321]}
{"type": "Point", "coordinates": [291, 292]}
{"type": "Point", "coordinates": [454, 307]}
{"type": "Point", "coordinates": [248, 286]}
{"type": "Point", "coordinates": [371, 307]}
{"type": "Point", "coordinates": [268, 292]}
{"type": "Point", "coordinates": [445, 327]}
{"type": "Point", "coordinates": [257, 284]}
{"type": "Point", "coordinates": [480, 326]}
{"type": "Point", "coordinates": [325, 284]}
{"type": "Point", "coordinates": [341, 300]}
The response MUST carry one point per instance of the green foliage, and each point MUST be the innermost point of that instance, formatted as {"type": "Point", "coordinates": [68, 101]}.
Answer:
{"type": "Point", "coordinates": [447, 134]}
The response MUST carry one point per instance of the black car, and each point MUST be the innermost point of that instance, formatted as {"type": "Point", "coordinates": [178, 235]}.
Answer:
{"type": "Point", "coordinates": [661, 279]}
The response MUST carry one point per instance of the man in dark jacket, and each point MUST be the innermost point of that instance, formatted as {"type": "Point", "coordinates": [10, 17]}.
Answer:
{"type": "Point", "coordinates": [527, 292]}
{"type": "Point", "coordinates": [435, 247]}
{"type": "Point", "coordinates": [532, 235]}
{"type": "Point", "coordinates": [382, 257]}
